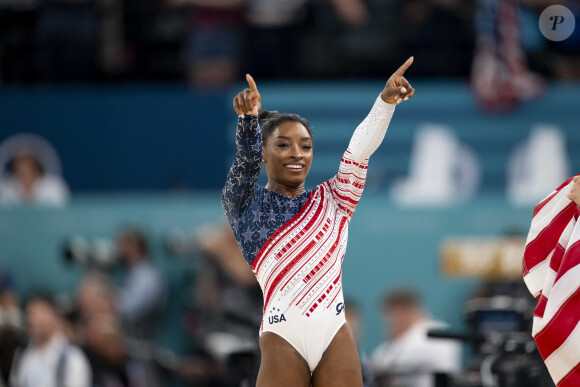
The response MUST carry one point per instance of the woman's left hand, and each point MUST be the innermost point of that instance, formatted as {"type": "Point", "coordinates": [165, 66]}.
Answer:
{"type": "Point", "coordinates": [574, 194]}
{"type": "Point", "coordinates": [398, 89]}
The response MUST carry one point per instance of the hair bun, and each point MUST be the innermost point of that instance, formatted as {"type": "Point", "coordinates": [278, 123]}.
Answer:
{"type": "Point", "coordinates": [265, 116]}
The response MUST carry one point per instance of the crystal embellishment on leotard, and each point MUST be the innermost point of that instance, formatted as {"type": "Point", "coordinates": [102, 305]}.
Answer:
{"type": "Point", "coordinates": [295, 246]}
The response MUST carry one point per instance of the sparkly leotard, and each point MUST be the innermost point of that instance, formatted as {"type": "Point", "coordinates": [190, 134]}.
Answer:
{"type": "Point", "coordinates": [295, 246]}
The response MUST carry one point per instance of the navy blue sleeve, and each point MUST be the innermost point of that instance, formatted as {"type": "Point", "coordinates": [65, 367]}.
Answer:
{"type": "Point", "coordinates": [244, 173]}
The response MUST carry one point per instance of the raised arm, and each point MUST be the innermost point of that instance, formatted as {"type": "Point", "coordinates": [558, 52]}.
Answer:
{"type": "Point", "coordinates": [347, 186]}
{"type": "Point", "coordinates": [245, 170]}
{"type": "Point", "coordinates": [370, 133]}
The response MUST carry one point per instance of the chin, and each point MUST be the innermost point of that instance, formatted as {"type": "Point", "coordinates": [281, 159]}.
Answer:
{"type": "Point", "coordinates": [295, 182]}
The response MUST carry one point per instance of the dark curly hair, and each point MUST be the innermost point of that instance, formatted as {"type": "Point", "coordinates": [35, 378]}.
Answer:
{"type": "Point", "coordinates": [270, 120]}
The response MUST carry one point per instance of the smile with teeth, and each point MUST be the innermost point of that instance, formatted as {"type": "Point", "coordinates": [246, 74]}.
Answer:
{"type": "Point", "coordinates": [295, 167]}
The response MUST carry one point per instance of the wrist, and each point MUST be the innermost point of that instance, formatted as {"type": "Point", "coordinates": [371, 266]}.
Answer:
{"type": "Point", "coordinates": [386, 99]}
{"type": "Point", "coordinates": [387, 104]}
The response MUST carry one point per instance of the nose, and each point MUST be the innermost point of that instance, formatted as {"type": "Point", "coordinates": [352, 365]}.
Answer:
{"type": "Point", "coordinates": [296, 152]}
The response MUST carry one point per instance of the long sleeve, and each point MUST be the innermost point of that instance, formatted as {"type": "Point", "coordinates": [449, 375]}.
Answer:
{"type": "Point", "coordinates": [370, 133]}
{"type": "Point", "coordinates": [347, 186]}
{"type": "Point", "coordinates": [245, 170]}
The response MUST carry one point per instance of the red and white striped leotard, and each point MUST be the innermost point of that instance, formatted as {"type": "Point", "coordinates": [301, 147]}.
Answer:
{"type": "Point", "coordinates": [299, 266]}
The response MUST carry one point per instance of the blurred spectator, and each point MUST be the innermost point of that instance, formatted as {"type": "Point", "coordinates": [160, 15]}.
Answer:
{"type": "Point", "coordinates": [410, 358]}
{"type": "Point", "coordinates": [272, 33]}
{"type": "Point", "coordinates": [49, 359]}
{"type": "Point", "coordinates": [100, 333]}
{"type": "Point", "coordinates": [354, 319]}
{"type": "Point", "coordinates": [106, 352]}
{"type": "Point", "coordinates": [229, 302]}
{"type": "Point", "coordinates": [214, 40]}
{"type": "Point", "coordinates": [141, 297]}
{"type": "Point", "coordinates": [68, 40]}
{"type": "Point", "coordinates": [438, 30]}
{"type": "Point", "coordinates": [500, 74]}
{"type": "Point", "coordinates": [116, 40]}
{"type": "Point", "coordinates": [226, 286]}
{"type": "Point", "coordinates": [276, 29]}
{"type": "Point", "coordinates": [352, 13]}
{"type": "Point", "coordinates": [9, 310]}
{"type": "Point", "coordinates": [344, 38]}
{"type": "Point", "coordinates": [27, 182]}
{"type": "Point", "coordinates": [30, 172]}
{"type": "Point", "coordinates": [10, 324]}
{"type": "Point", "coordinates": [95, 296]}
{"type": "Point", "coordinates": [152, 36]}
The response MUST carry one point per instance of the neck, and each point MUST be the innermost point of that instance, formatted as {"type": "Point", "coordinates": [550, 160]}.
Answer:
{"type": "Point", "coordinates": [410, 324]}
{"type": "Point", "coordinates": [27, 184]}
{"type": "Point", "coordinates": [290, 192]}
{"type": "Point", "coordinates": [42, 342]}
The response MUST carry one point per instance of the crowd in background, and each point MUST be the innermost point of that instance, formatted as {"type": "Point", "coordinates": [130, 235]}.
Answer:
{"type": "Point", "coordinates": [106, 334]}
{"type": "Point", "coordinates": [211, 42]}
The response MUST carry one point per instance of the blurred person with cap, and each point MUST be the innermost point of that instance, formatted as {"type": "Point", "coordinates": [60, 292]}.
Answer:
{"type": "Point", "coordinates": [49, 360]}
{"type": "Point", "coordinates": [141, 296]}
{"type": "Point", "coordinates": [30, 172]}
{"type": "Point", "coordinates": [27, 182]}
{"type": "Point", "coordinates": [410, 358]}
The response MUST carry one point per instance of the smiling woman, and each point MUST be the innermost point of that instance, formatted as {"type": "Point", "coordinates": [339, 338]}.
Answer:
{"type": "Point", "coordinates": [287, 151]}
{"type": "Point", "coordinates": [295, 240]}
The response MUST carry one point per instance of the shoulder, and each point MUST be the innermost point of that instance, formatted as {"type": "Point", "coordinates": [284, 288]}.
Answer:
{"type": "Point", "coordinates": [77, 365]}
{"type": "Point", "coordinates": [52, 189]}
{"type": "Point", "coordinates": [76, 355]}
{"type": "Point", "coordinates": [8, 189]}
{"type": "Point", "coordinates": [147, 271]}
{"type": "Point", "coordinates": [380, 351]}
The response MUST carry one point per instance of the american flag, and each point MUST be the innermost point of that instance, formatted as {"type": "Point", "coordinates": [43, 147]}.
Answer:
{"type": "Point", "coordinates": [551, 268]}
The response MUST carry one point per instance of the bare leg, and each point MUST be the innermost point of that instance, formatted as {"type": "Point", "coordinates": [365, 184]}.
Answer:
{"type": "Point", "coordinates": [281, 365]}
{"type": "Point", "coordinates": [340, 364]}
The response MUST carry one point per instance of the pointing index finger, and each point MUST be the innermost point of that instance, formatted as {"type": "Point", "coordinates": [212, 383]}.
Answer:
{"type": "Point", "coordinates": [404, 67]}
{"type": "Point", "coordinates": [252, 83]}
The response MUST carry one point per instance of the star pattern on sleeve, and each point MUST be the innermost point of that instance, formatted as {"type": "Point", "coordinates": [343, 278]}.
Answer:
{"type": "Point", "coordinates": [248, 234]}
{"type": "Point", "coordinates": [254, 212]}
{"type": "Point", "coordinates": [263, 232]}
{"type": "Point", "coordinates": [266, 213]}
{"type": "Point", "coordinates": [288, 215]}
{"type": "Point", "coordinates": [245, 170]}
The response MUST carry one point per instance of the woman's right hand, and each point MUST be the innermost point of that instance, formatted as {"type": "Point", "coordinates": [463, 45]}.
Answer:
{"type": "Point", "coordinates": [248, 101]}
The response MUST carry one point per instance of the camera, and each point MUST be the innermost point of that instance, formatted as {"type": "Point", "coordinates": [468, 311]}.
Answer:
{"type": "Point", "coordinates": [505, 354]}
{"type": "Point", "coordinates": [95, 252]}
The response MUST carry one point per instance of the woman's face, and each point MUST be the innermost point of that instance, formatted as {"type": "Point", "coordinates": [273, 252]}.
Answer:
{"type": "Point", "coordinates": [288, 154]}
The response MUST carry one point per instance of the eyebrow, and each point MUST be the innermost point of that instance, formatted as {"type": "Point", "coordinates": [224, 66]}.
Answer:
{"type": "Point", "coordinates": [288, 138]}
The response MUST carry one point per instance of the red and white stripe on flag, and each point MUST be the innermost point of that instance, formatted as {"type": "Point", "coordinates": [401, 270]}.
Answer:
{"type": "Point", "coordinates": [551, 268]}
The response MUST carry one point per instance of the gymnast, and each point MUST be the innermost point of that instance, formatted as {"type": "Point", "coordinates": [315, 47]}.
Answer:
{"type": "Point", "coordinates": [295, 240]}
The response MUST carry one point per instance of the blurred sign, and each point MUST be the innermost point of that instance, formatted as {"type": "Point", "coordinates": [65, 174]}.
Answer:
{"type": "Point", "coordinates": [496, 258]}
